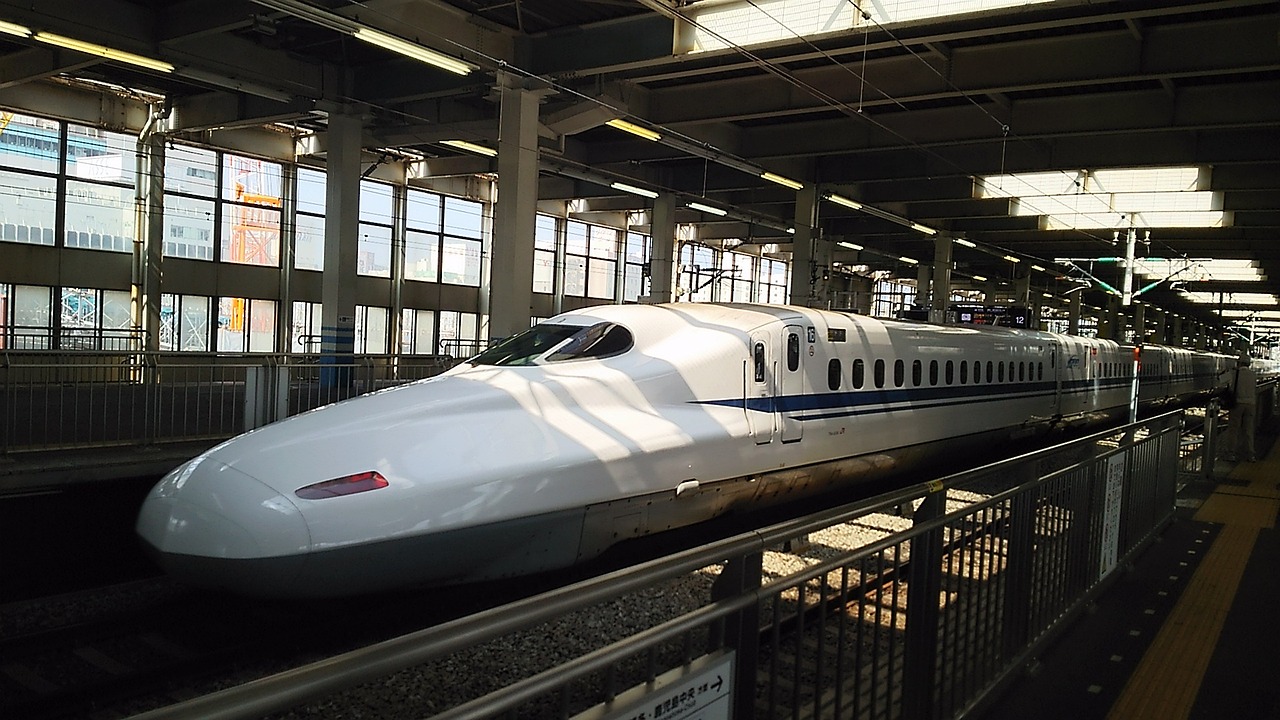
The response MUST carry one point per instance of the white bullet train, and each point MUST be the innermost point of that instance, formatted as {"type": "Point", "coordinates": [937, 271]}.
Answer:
{"type": "Point", "coordinates": [614, 422]}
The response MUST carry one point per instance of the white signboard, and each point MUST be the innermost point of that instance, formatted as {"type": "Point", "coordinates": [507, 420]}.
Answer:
{"type": "Point", "coordinates": [1111, 505]}
{"type": "Point", "coordinates": [701, 691]}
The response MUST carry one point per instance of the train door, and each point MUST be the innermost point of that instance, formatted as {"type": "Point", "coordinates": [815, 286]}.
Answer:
{"type": "Point", "coordinates": [791, 397]}
{"type": "Point", "coordinates": [1055, 367]}
{"type": "Point", "coordinates": [761, 389]}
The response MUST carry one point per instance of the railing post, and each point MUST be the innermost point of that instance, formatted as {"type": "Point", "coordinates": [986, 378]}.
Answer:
{"type": "Point", "coordinates": [1020, 565]}
{"type": "Point", "coordinates": [924, 583]}
{"type": "Point", "coordinates": [1210, 448]}
{"type": "Point", "coordinates": [740, 632]}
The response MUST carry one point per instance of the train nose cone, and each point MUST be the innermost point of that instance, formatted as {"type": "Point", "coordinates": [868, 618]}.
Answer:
{"type": "Point", "coordinates": [211, 525]}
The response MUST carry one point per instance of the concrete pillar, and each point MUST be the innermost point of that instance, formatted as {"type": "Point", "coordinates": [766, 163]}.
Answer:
{"type": "Point", "coordinates": [148, 245]}
{"type": "Point", "coordinates": [662, 255]}
{"type": "Point", "coordinates": [1176, 339]}
{"type": "Point", "coordinates": [822, 291]}
{"type": "Point", "coordinates": [515, 212]}
{"type": "Point", "coordinates": [802, 250]}
{"type": "Point", "coordinates": [1158, 327]}
{"type": "Point", "coordinates": [1022, 290]}
{"type": "Point", "coordinates": [924, 276]}
{"type": "Point", "coordinates": [1139, 323]}
{"type": "Point", "coordinates": [341, 240]}
{"type": "Point", "coordinates": [942, 265]}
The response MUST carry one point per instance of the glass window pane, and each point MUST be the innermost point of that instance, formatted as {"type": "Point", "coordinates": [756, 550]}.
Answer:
{"type": "Point", "coordinates": [251, 235]}
{"type": "Point", "coordinates": [575, 276]}
{"type": "Point", "coordinates": [463, 217]}
{"type": "Point", "coordinates": [188, 227]}
{"type": "Point", "coordinates": [604, 242]}
{"type": "Point", "coordinates": [101, 216]}
{"type": "Point", "coordinates": [576, 238]}
{"type": "Point", "coordinates": [460, 262]}
{"type": "Point", "coordinates": [116, 310]}
{"type": "Point", "coordinates": [424, 331]}
{"type": "Point", "coordinates": [191, 170]}
{"type": "Point", "coordinates": [544, 268]}
{"type": "Point", "coordinates": [253, 181]}
{"type": "Point", "coordinates": [27, 202]}
{"type": "Point", "coordinates": [424, 210]}
{"type": "Point", "coordinates": [375, 202]}
{"type": "Point", "coordinates": [374, 253]}
{"type": "Point", "coordinates": [231, 324]}
{"type": "Point", "coordinates": [194, 324]}
{"type": "Point", "coordinates": [308, 242]}
{"type": "Point", "coordinates": [544, 233]}
{"type": "Point", "coordinates": [421, 256]}
{"type": "Point", "coordinates": [311, 191]}
{"type": "Point", "coordinates": [102, 155]}
{"type": "Point", "coordinates": [262, 325]}
{"type": "Point", "coordinates": [637, 248]}
{"type": "Point", "coordinates": [30, 143]}
{"type": "Point", "coordinates": [32, 315]}
{"type": "Point", "coordinates": [601, 281]}
{"type": "Point", "coordinates": [375, 330]}
{"type": "Point", "coordinates": [632, 283]}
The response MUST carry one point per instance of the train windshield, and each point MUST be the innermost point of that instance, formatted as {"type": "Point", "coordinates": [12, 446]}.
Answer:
{"type": "Point", "coordinates": [548, 343]}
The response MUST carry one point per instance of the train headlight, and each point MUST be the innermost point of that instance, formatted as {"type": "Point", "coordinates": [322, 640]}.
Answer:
{"type": "Point", "coordinates": [337, 487]}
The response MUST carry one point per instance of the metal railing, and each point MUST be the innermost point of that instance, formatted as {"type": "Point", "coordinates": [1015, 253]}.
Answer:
{"type": "Point", "coordinates": [925, 622]}
{"type": "Point", "coordinates": [51, 400]}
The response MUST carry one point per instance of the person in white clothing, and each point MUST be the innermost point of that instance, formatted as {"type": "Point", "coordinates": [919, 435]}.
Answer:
{"type": "Point", "coordinates": [1244, 415]}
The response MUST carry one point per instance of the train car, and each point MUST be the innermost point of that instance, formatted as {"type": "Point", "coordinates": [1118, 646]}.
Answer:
{"type": "Point", "coordinates": [615, 422]}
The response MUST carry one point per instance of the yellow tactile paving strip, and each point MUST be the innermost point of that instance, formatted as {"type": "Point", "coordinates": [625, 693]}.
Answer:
{"type": "Point", "coordinates": [1165, 683]}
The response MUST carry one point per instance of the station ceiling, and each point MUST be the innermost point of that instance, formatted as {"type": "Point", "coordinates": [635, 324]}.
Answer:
{"type": "Point", "coordinates": [923, 122]}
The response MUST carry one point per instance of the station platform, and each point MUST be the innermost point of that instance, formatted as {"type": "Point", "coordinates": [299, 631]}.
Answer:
{"type": "Point", "coordinates": [1191, 631]}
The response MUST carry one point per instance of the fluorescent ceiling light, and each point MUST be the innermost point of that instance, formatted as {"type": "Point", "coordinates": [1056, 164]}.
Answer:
{"type": "Point", "coordinates": [14, 29]}
{"type": "Point", "coordinates": [1011, 259]}
{"type": "Point", "coordinates": [841, 200]}
{"type": "Point", "coordinates": [413, 50]}
{"type": "Point", "coordinates": [980, 278]}
{"type": "Point", "coordinates": [908, 260]}
{"type": "Point", "coordinates": [104, 52]}
{"type": "Point", "coordinates": [851, 246]}
{"type": "Point", "coordinates": [1037, 267]}
{"type": "Point", "coordinates": [783, 181]}
{"type": "Point", "coordinates": [634, 190]}
{"type": "Point", "coordinates": [708, 209]}
{"type": "Point", "coordinates": [634, 129]}
{"type": "Point", "coordinates": [966, 243]}
{"type": "Point", "coordinates": [471, 147]}
{"type": "Point", "coordinates": [921, 228]}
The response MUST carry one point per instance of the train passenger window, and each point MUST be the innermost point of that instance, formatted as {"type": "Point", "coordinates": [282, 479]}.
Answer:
{"type": "Point", "coordinates": [916, 373]}
{"type": "Point", "coordinates": [951, 372]}
{"type": "Point", "coordinates": [1010, 371]}
{"type": "Point", "coordinates": [833, 373]}
{"type": "Point", "coordinates": [1022, 371]}
{"type": "Point", "coordinates": [964, 372]}
{"type": "Point", "coordinates": [793, 352]}
{"type": "Point", "coordinates": [899, 373]}
{"type": "Point", "coordinates": [859, 374]}
{"type": "Point", "coordinates": [989, 371]}
{"type": "Point", "coordinates": [758, 356]}
{"type": "Point", "coordinates": [1000, 369]}
{"type": "Point", "coordinates": [879, 373]}
{"type": "Point", "coordinates": [933, 372]}
{"type": "Point", "coordinates": [1040, 370]}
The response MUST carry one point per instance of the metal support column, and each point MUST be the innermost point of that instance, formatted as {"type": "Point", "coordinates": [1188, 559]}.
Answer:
{"type": "Point", "coordinates": [803, 290]}
{"type": "Point", "coordinates": [148, 246]}
{"type": "Point", "coordinates": [942, 265]}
